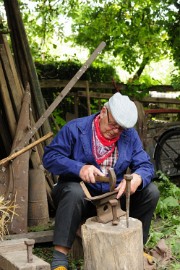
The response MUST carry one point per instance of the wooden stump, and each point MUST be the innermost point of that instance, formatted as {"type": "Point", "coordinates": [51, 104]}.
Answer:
{"type": "Point", "coordinates": [112, 247]}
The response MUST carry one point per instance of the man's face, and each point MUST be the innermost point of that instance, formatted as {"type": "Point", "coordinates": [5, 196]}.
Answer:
{"type": "Point", "coordinates": [108, 126]}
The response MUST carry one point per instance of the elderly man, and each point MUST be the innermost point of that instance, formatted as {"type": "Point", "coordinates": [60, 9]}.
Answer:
{"type": "Point", "coordinates": [89, 146]}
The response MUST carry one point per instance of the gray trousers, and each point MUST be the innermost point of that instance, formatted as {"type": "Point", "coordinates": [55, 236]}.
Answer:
{"type": "Point", "coordinates": [72, 209]}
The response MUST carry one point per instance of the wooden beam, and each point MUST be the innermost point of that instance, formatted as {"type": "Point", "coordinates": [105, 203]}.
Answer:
{"type": "Point", "coordinates": [7, 103]}
{"type": "Point", "coordinates": [39, 237]}
{"type": "Point", "coordinates": [24, 57]}
{"type": "Point", "coordinates": [19, 169]}
{"type": "Point", "coordinates": [18, 83]}
{"type": "Point", "coordinates": [56, 83]}
{"type": "Point", "coordinates": [14, 93]}
{"type": "Point", "coordinates": [144, 100]}
{"type": "Point", "coordinates": [88, 98]}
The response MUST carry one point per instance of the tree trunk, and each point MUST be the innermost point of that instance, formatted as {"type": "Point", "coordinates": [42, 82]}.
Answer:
{"type": "Point", "coordinates": [112, 247]}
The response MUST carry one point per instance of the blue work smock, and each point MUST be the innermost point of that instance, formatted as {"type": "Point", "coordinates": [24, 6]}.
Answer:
{"type": "Point", "coordinates": [71, 149]}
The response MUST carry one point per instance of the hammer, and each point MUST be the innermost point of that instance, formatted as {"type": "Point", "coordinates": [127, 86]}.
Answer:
{"type": "Point", "coordinates": [111, 179]}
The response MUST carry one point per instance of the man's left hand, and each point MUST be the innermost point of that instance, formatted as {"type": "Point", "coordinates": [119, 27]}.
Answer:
{"type": "Point", "coordinates": [135, 183]}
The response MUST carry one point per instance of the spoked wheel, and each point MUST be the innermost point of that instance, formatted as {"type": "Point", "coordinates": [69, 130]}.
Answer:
{"type": "Point", "coordinates": [167, 154]}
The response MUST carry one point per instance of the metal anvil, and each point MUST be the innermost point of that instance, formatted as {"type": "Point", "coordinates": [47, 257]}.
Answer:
{"type": "Point", "coordinates": [107, 206]}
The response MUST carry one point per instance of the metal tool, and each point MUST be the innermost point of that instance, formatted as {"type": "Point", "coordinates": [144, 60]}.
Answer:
{"type": "Point", "coordinates": [128, 178]}
{"type": "Point", "coordinates": [114, 204]}
{"type": "Point", "coordinates": [111, 179]}
{"type": "Point", "coordinates": [107, 206]}
{"type": "Point", "coordinates": [30, 244]}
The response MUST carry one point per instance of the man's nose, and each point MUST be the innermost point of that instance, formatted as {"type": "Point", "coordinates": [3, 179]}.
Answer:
{"type": "Point", "coordinates": [116, 130]}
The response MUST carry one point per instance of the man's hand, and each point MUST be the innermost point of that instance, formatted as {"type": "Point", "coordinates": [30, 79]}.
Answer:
{"type": "Point", "coordinates": [88, 172]}
{"type": "Point", "coordinates": [135, 183]}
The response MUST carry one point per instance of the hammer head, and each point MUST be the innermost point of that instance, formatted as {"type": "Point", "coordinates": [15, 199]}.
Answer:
{"type": "Point", "coordinates": [112, 179]}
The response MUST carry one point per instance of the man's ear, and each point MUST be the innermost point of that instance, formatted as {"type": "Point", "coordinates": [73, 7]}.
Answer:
{"type": "Point", "coordinates": [103, 112]}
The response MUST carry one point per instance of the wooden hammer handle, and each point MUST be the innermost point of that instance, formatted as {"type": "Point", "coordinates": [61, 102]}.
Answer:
{"type": "Point", "coordinates": [104, 179]}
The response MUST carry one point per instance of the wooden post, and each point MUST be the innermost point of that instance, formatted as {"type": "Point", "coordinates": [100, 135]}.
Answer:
{"type": "Point", "coordinates": [76, 101]}
{"type": "Point", "coordinates": [112, 247]}
{"type": "Point", "coordinates": [7, 103]}
{"type": "Point", "coordinates": [19, 171]}
{"type": "Point", "coordinates": [24, 58]}
{"type": "Point", "coordinates": [16, 95]}
{"type": "Point", "coordinates": [88, 98]}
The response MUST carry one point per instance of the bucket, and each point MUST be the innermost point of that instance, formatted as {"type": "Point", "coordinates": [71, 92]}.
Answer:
{"type": "Point", "coordinates": [38, 213]}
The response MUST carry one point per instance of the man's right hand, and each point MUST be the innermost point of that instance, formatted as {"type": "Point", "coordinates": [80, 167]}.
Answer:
{"type": "Point", "coordinates": [88, 173]}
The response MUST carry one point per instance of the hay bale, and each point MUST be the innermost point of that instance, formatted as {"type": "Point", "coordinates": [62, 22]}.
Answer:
{"type": "Point", "coordinates": [7, 212]}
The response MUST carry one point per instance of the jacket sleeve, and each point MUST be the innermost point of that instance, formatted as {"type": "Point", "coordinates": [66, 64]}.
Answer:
{"type": "Point", "coordinates": [140, 162]}
{"type": "Point", "coordinates": [58, 155]}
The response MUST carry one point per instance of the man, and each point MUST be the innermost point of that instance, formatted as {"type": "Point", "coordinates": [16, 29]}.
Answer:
{"type": "Point", "coordinates": [89, 146]}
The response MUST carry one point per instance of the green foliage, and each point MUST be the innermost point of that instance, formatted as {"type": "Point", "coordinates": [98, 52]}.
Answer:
{"type": "Point", "coordinates": [44, 252]}
{"type": "Point", "coordinates": [59, 120]}
{"type": "Point", "coordinates": [136, 32]}
{"type": "Point", "coordinates": [65, 70]}
{"type": "Point", "coordinates": [75, 264]}
{"type": "Point", "coordinates": [166, 220]}
{"type": "Point", "coordinates": [176, 80]}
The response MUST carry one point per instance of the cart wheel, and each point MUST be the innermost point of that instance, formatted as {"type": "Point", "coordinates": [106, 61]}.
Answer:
{"type": "Point", "coordinates": [167, 154]}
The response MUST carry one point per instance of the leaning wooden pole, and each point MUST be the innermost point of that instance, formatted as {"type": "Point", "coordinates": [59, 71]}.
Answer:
{"type": "Point", "coordinates": [18, 34]}
{"type": "Point", "coordinates": [6, 99]}
{"type": "Point", "coordinates": [63, 93]}
{"type": "Point", "coordinates": [25, 149]}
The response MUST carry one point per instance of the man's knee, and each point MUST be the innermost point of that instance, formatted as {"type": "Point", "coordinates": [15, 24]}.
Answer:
{"type": "Point", "coordinates": [153, 193]}
{"type": "Point", "coordinates": [67, 191]}
{"type": "Point", "coordinates": [75, 191]}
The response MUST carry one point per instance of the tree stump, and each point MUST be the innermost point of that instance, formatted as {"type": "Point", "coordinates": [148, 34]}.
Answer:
{"type": "Point", "coordinates": [112, 247]}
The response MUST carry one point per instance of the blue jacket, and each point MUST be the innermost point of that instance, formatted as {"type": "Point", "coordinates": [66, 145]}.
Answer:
{"type": "Point", "coordinates": [72, 148]}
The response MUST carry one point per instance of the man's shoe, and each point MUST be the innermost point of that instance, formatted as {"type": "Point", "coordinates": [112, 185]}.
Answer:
{"type": "Point", "coordinates": [61, 268]}
{"type": "Point", "coordinates": [149, 258]}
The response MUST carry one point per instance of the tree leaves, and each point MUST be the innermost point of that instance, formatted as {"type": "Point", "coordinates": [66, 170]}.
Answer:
{"type": "Point", "coordinates": [136, 32]}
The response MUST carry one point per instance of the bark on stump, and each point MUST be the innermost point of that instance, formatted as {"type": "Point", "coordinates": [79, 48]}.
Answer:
{"type": "Point", "coordinates": [112, 247]}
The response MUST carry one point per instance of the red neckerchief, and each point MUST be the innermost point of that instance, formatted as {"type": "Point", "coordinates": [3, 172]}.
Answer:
{"type": "Point", "coordinates": [102, 147]}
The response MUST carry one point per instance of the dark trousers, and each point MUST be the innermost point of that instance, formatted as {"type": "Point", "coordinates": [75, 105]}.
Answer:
{"type": "Point", "coordinates": [72, 209]}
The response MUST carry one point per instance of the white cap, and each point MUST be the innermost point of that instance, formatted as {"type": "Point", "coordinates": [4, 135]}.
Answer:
{"type": "Point", "coordinates": [123, 110]}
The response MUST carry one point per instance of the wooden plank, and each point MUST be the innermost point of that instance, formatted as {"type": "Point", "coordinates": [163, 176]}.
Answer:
{"type": "Point", "coordinates": [88, 98]}
{"type": "Point", "coordinates": [7, 103]}
{"type": "Point", "coordinates": [56, 83]}
{"type": "Point", "coordinates": [144, 100]}
{"type": "Point", "coordinates": [158, 111]}
{"type": "Point", "coordinates": [5, 135]}
{"type": "Point", "coordinates": [14, 93]}
{"type": "Point", "coordinates": [20, 171]}
{"type": "Point", "coordinates": [39, 237]}
{"type": "Point", "coordinates": [160, 100]}
{"type": "Point", "coordinates": [94, 94]}
{"type": "Point", "coordinates": [18, 83]}
{"type": "Point", "coordinates": [24, 57]}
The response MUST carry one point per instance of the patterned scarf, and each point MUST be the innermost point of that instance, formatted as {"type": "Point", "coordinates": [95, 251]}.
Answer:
{"type": "Point", "coordinates": [102, 147]}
